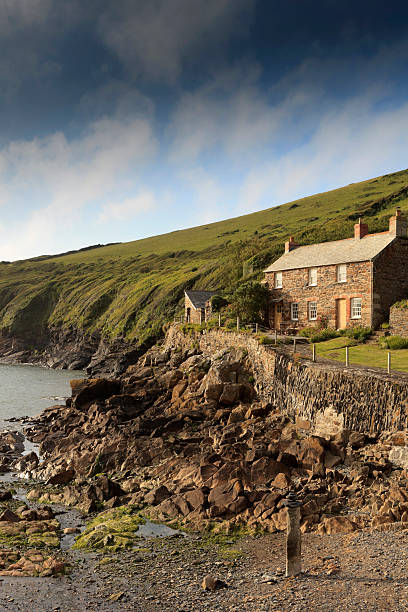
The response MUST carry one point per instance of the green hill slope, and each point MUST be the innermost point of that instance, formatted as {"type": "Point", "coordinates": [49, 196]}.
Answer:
{"type": "Point", "coordinates": [129, 290]}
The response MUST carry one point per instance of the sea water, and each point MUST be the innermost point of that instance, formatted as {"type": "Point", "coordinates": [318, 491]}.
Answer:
{"type": "Point", "coordinates": [25, 390]}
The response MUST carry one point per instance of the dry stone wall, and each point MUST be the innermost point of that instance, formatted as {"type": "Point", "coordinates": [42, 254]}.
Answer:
{"type": "Point", "coordinates": [327, 396]}
{"type": "Point", "coordinates": [399, 321]}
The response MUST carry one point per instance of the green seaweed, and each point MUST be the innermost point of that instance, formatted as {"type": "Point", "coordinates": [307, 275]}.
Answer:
{"type": "Point", "coordinates": [110, 530]}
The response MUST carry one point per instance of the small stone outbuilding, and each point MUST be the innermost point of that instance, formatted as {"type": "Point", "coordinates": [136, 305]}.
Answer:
{"type": "Point", "coordinates": [197, 306]}
{"type": "Point", "coordinates": [340, 283]}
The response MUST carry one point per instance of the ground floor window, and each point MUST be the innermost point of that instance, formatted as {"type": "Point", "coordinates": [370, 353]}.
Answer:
{"type": "Point", "coordinates": [294, 311]}
{"type": "Point", "coordinates": [312, 311]}
{"type": "Point", "coordinates": [356, 308]}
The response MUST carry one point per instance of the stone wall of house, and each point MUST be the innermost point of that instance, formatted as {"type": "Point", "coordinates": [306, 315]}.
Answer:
{"type": "Point", "coordinates": [192, 314]}
{"type": "Point", "coordinates": [295, 288]}
{"type": "Point", "coordinates": [390, 273]}
{"type": "Point", "coordinates": [326, 396]}
{"type": "Point", "coordinates": [399, 321]}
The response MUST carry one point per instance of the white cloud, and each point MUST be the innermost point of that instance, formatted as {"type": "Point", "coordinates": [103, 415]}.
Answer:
{"type": "Point", "coordinates": [230, 112]}
{"type": "Point", "coordinates": [51, 181]}
{"type": "Point", "coordinates": [350, 143]}
{"type": "Point", "coordinates": [128, 208]}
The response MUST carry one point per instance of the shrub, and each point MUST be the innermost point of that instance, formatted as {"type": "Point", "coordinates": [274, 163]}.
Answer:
{"type": "Point", "coordinates": [358, 333]}
{"type": "Point", "coordinates": [306, 332]}
{"type": "Point", "coordinates": [394, 343]}
{"type": "Point", "coordinates": [218, 302]}
{"type": "Point", "coordinates": [385, 325]}
{"type": "Point", "coordinates": [323, 334]}
{"type": "Point", "coordinates": [265, 340]}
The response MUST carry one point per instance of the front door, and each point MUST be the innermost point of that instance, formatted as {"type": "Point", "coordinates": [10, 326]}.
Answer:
{"type": "Point", "coordinates": [341, 314]}
{"type": "Point", "coordinates": [278, 315]}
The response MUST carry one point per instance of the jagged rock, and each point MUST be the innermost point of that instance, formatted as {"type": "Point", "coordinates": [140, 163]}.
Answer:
{"type": "Point", "coordinates": [157, 496]}
{"type": "Point", "coordinates": [86, 391]}
{"type": "Point", "coordinates": [311, 452]}
{"type": "Point", "coordinates": [356, 439]}
{"type": "Point", "coordinates": [61, 477]}
{"type": "Point", "coordinates": [105, 488]}
{"type": "Point", "coordinates": [265, 469]}
{"type": "Point", "coordinates": [337, 524]}
{"type": "Point", "coordinates": [8, 515]}
{"type": "Point", "coordinates": [230, 394]}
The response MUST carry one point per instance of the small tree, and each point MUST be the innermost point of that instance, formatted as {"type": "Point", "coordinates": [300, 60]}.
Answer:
{"type": "Point", "coordinates": [249, 301]}
{"type": "Point", "coordinates": [217, 303]}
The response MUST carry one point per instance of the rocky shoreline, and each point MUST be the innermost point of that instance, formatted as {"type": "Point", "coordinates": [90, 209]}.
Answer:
{"type": "Point", "coordinates": [184, 437]}
{"type": "Point", "coordinates": [181, 438]}
{"type": "Point", "coordinates": [71, 350]}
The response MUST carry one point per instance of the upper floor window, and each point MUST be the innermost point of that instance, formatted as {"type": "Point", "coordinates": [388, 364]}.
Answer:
{"type": "Point", "coordinates": [356, 308]}
{"type": "Point", "coordinates": [312, 311]}
{"type": "Point", "coordinates": [342, 273]}
{"type": "Point", "coordinates": [278, 280]}
{"type": "Point", "coordinates": [294, 311]}
{"type": "Point", "coordinates": [312, 277]}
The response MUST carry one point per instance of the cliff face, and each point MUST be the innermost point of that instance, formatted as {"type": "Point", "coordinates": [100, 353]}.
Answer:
{"type": "Point", "coordinates": [81, 303]}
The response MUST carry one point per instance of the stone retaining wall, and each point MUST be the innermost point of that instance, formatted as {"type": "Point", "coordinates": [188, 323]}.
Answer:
{"type": "Point", "coordinates": [328, 396]}
{"type": "Point", "coordinates": [399, 321]}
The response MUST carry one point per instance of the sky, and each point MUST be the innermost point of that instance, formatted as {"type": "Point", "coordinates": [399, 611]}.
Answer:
{"type": "Point", "coordinates": [121, 119]}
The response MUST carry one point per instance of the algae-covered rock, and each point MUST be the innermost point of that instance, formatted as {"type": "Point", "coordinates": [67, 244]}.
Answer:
{"type": "Point", "coordinates": [112, 530]}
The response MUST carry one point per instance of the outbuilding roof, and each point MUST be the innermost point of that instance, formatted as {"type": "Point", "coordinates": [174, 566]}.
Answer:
{"type": "Point", "coordinates": [337, 252]}
{"type": "Point", "coordinates": [199, 298]}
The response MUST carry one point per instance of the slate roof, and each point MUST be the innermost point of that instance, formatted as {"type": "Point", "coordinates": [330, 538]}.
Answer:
{"type": "Point", "coordinates": [199, 298]}
{"type": "Point", "coordinates": [336, 252]}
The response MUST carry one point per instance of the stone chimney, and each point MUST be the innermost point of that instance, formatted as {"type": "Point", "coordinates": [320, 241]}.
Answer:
{"type": "Point", "coordinates": [290, 245]}
{"type": "Point", "coordinates": [360, 230]}
{"type": "Point", "coordinates": [398, 224]}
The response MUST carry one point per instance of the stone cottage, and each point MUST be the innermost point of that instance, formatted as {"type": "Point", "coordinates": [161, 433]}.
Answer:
{"type": "Point", "coordinates": [344, 282]}
{"type": "Point", "coordinates": [197, 306]}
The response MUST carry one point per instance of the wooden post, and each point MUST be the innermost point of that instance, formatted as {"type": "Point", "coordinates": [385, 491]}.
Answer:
{"type": "Point", "coordinates": [347, 356]}
{"type": "Point", "coordinates": [256, 328]}
{"type": "Point", "coordinates": [294, 345]}
{"type": "Point", "coordinates": [219, 319]}
{"type": "Point", "coordinates": [389, 363]}
{"type": "Point", "coordinates": [276, 337]}
{"type": "Point", "coordinates": [313, 352]}
{"type": "Point", "coordinates": [293, 536]}
{"type": "Point", "coordinates": [237, 323]}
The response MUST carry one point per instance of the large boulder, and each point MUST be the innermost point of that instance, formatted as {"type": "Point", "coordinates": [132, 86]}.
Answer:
{"type": "Point", "coordinates": [86, 391]}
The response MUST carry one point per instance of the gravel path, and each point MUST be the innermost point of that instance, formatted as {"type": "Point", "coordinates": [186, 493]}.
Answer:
{"type": "Point", "coordinates": [358, 571]}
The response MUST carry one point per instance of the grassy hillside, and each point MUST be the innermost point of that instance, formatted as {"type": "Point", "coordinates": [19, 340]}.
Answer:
{"type": "Point", "coordinates": [131, 289]}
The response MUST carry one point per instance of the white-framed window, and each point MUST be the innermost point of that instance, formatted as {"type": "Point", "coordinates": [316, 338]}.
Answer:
{"type": "Point", "coordinates": [312, 311]}
{"type": "Point", "coordinates": [278, 280]}
{"type": "Point", "coordinates": [294, 311]}
{"type": "Point", "coordinates": [356, 308]}
{"type": "Point", "coordinates": [342, 273]}
{"type": "Point", "coordinates": [312, 277]}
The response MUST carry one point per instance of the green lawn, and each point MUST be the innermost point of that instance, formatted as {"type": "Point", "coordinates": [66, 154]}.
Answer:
{"type": "Point", "coordinates": [370, 355]}
{"type": "Point", "coordinates": [131, 289]}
